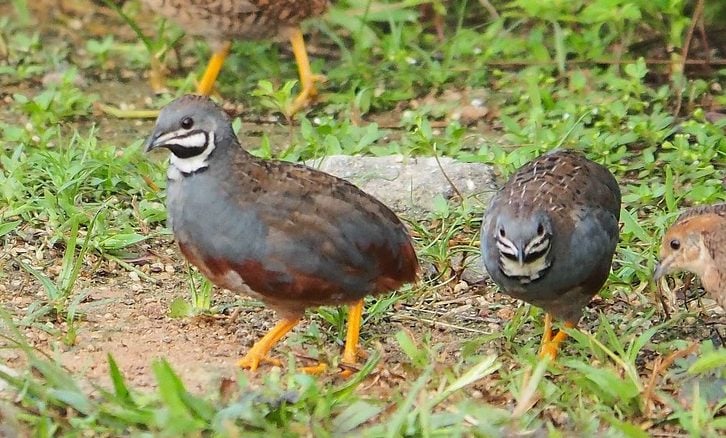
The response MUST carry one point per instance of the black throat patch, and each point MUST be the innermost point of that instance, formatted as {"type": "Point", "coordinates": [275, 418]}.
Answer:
{"type": "Point", "coordinates": [186, 151]}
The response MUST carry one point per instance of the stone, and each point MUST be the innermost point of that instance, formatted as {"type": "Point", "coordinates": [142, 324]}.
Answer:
{"type": "Point", "coordinates": [410, 185]}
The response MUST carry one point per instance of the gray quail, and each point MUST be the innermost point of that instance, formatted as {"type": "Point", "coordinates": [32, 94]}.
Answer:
{"type": "Point", "coordinates": [287, 234]}
{"type": "Point", "coordinates": [696, 242]}
{"type": "Point", "coordinates": [222, 21]}
{"type": "Point", "coordinates": [549, 235]}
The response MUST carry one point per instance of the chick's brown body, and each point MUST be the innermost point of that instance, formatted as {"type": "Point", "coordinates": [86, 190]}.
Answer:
{"type": "Point", "coordinates": [696, 242]}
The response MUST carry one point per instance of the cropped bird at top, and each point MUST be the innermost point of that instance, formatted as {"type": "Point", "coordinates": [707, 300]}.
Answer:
{"type": "Point", "coordinates": [696, 242]}
{"type": "Point", "coordinates": [222, 21]}
{"type": "Point", "coordinates": [549, 235]}
{"type": "Point", "coordinates": [292, 236]}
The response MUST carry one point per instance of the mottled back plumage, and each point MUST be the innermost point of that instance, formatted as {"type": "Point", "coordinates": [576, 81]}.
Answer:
{"type": "Point", "coordinates": [549, 235]}
{"type": "Point", "coordinates": [220, 20]}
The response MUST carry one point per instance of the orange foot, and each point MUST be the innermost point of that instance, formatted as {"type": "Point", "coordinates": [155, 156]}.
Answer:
{"type": "Point", "coordinates": [314, 370]}
{"type": "Point", "coordinates": [259, 352]}
{"type": "Point", "coordinates": [549, 350]}
{"type": "Point", "coordinates": [253, 361]}
{"type": "Point", "coordinates": [551, 345]}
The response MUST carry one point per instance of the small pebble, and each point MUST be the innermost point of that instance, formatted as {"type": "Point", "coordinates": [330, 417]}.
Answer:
{"type": "Point", "coordinates": [461, 287]}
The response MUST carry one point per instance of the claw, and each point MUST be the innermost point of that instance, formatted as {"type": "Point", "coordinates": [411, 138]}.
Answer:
{"type": "Point", "coordinates": [253, 361]}
{"type": "Point", "coordinates": [315, 369]}
{"type": "Point", "coordinates": [259, 352]}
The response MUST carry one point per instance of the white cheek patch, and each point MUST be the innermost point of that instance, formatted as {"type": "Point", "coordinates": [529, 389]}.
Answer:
{"type": "Point", "coordinates": [196, 140]}
{"type": "Point", "coordinates": [195, 163]}
{"type": "Point", "coordinates": [530, 270]}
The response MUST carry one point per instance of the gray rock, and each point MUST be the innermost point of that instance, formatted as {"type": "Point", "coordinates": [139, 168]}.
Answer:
{"type": "Point", "coordinates": [410, 185]}
{"type": "Point", "coordinates": [474, 271]}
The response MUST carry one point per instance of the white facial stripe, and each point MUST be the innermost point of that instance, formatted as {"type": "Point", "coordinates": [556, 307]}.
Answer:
{"type": "Point", "coordinates": [536, 246]}
{"type": "Point", "coordinates": [191, 164]}
{"type": "Point", "coordinates": [166, 138]}
{"type": "Point", "coordinates": [506, 246]}
{"type": "Point", "coordinates": [537, 241]}
{"type": "Point", "coordinates": [195, 140]}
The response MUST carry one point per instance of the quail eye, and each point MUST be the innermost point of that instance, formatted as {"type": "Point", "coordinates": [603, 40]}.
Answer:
{"type": "Point", "coordinates": [540, 229]}
{"type": "Point", "coordinates": [502, 233]}
{"type": "Point", "coordinates": [187, 123]}
{"type": "Point", "coordinates": [675, 244]}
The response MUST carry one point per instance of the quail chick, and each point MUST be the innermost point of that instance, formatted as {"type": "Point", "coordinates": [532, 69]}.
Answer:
{"type": "Point", "coordinates": [696, 242]}
{"type": "Point", "coordinates": [222, 21]}
{"type": "Point", "coordinates": [289, 235]}
{"type": "Point", "coordinates": [549, 235]}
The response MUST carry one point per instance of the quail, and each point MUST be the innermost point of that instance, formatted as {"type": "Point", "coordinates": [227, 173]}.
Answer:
{"type": "Point", "coordinates": [222, 21]}
{"type": "Point", "coordinates": [292, 236]}
{"type": "Point", "coordinates": [549, 235]}
{"type": "Point", "coordinates": [696, 242]}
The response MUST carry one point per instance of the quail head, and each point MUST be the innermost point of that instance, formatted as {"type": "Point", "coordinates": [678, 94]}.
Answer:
{"type": "Point", "coordinates": [549, 235]}
{"type": "Point", "coordinates": [222, 21]}
{"type": "Point", "coordinates": [287, 234]}
{"type": "Point", "coordinates": [696, 242]}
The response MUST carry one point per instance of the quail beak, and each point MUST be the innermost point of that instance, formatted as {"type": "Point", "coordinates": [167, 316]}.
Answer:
{"type": "Point", "coordinates": [520, 256]}
{"type": "Point", "coordinates": [661, 269]}
{"type": "Point", "coordinates": [152, 142]}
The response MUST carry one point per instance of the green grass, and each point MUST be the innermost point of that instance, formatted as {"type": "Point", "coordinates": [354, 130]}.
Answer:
{"type": "Point", "coordinates": [594, 75]}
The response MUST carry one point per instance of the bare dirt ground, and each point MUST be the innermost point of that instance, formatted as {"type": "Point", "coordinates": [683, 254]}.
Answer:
{"type": "Point", "coordinates": [128, 316]}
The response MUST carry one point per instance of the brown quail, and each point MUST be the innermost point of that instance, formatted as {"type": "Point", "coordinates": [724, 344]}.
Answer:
{"type": "Point", "coordinates": [549, 235]}
{"type": "Point", "coordinates": [287, 234]}
{"type": "Point", "coordinates": [696, 242]}
{"type": "Point", "coordinates": [221, 21]}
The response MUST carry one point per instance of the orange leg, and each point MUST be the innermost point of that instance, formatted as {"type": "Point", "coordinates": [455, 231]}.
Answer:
{"type": "Point", "coordinates": [307, 78]}
{"type": "Point", "coordinates": [206, 84]}
{"type": "Point", "coordinates": [550, 346]}
{"type": "Point", "coordinates": [351, 351]}
{"type": "Point", "coordinates": [258, 352]}
{"type": "Point", "coordinates": [547, 333]}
